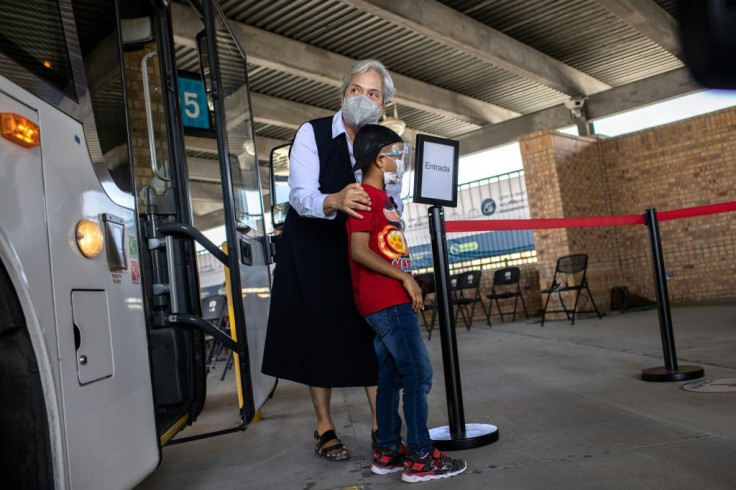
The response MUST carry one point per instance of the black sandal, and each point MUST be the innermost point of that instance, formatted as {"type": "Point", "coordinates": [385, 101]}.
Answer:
{"type": "Point", "coordinates": [324, 452]}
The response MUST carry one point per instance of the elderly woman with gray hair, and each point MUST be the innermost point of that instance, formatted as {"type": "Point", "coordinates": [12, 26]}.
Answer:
{"type": "Point", "coordinates": [315, 335]}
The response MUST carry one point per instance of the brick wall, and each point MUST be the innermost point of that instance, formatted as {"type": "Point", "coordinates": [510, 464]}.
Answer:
{"type": "Point", "coordinates": [683, 164]}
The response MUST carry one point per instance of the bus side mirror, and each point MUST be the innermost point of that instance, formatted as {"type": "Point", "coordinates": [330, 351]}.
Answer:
{"type": "Point", "coordinates": [279, 166]}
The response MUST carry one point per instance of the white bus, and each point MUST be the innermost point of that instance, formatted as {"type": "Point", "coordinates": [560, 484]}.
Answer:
{"type": "Point", "coordinates": [102, 340]}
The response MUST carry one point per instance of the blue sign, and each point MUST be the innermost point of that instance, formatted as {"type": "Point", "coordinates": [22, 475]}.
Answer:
{"type": "Point", "coordinates": [476, 246]}
{"type": "Point", "coordinates": [193, 101]}
{"type": "Point", "coordinates": [488, 207]}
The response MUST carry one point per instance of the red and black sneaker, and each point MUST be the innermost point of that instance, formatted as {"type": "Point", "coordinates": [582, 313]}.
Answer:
{"type": "Point", "coordinates": [387, 461]}
{"type": "Point", "coordinates": [431, 467]}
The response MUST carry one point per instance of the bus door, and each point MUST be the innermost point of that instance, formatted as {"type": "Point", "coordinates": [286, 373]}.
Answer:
{"type": "Point", "coordinates": [250, 278]}
{"type": "Point", "coordinates": [189, 184]}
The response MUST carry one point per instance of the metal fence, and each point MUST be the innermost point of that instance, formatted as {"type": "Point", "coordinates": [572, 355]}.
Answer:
{"type": "Point", "coordinates": [498, 197]}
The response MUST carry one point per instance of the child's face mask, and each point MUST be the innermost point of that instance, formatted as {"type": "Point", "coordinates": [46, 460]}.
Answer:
{"type": "Point", "coordinates": [390, 178]}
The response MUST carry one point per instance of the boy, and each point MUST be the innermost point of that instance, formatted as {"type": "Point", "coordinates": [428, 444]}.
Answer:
{"type": "Point", "coordinates": [389, 298]}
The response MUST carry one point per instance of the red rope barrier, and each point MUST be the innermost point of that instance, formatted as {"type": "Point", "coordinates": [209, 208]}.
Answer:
{"type": "Point", "coordinates": [723, 207]}
{"type": "Point", "coordinates": [582, 222]}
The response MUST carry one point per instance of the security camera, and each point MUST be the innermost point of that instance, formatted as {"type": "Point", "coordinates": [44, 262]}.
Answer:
{"type": "Point", "coordinates": [576, 103]}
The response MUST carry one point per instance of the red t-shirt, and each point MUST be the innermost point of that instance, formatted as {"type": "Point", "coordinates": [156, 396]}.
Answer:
{"type": "Point", "coordinates": [372, 290]}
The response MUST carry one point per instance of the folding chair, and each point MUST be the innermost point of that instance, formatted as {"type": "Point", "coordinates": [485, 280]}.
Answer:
{"type": "Point", "coordinates": [214, 310]}
{"type": "Point", "coordinates": [570, 276]}
{"type": "Point", "coordinates": [466, 293]}
{"type": "Point", "coordinates": [505, 278]}
{"type": "Point", "coordinates": [432, 305]}
{"type": "Point", "coordinates": [426, 283]}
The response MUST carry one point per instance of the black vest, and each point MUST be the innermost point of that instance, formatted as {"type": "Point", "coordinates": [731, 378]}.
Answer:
{"type": "Point", "coordinates": [315, 334]}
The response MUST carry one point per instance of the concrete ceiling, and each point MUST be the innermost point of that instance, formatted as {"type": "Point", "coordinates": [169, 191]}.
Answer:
{"type": "Point", "coordinates": [482, 72]}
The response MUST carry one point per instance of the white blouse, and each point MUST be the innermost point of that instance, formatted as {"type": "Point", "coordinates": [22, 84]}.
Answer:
{"type": "Point", "coordinates": [304, 195]}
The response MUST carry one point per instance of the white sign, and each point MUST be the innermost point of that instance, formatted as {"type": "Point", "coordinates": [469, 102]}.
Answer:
{"type": "Point", "coordinates": [438, 166]}
{"type": "Point", "coordinates": [436, 171]}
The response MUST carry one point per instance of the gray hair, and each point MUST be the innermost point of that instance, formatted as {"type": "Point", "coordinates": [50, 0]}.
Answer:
{"type": "Point", "coordinates": [363, 66]}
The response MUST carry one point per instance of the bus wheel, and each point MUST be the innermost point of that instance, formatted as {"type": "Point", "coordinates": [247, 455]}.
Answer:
{"type": "Point", "coordinates": [25, 454]}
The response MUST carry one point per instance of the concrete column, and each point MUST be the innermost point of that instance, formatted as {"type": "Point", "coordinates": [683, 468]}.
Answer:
{"type": "Point", "coordinates": [565, 177]}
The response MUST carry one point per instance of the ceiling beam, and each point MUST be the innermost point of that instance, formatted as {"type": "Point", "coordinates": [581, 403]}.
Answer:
{"type": "Point", "coordinates": [285, 113]}
{"type": "Point", "coordinates": [102, 69]}
{"type": "Point", "coordinates": [204, 170]}
{"type": "Point", "coordinates": [201, 191]}
{"type": "Point", "coordinates": [264, 145]}
{"type": "Point", "coordinates": [626, 97]}
{"type": "Point", "coordinates": [450, 27]}
{"type": "Point", "coordinates": [209, 220]}
{"type": "Point", "coordinates": [647, 17]}
{"type": "Point", "coordinates": [286, 55]}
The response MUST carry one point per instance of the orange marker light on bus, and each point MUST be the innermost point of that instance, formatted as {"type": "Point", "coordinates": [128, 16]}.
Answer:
{"type": "Point", "coordinates": [19, 130]}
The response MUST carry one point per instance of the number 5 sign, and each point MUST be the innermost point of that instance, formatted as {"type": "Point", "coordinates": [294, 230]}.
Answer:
{"type": "Point", "coordinates": [193, 101]}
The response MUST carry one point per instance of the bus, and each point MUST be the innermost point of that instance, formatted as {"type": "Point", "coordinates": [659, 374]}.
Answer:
{"type": "Point", "coordinates": [126, 132]}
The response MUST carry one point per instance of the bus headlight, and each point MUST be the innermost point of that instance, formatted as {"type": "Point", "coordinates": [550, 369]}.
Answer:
{"type": "Point", "coordinates": [89, 238]}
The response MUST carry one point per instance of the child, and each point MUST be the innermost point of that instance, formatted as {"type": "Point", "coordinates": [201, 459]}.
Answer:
{"type": "Point", "coordinates": [389, 298]}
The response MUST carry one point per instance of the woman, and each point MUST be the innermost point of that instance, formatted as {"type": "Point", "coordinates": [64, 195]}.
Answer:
{"type": "Point", "coordinates": [315, 335]}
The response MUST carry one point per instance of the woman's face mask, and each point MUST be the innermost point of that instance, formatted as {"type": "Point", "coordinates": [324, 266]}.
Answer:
{"type": "Point", "coordinates": [360, 110]}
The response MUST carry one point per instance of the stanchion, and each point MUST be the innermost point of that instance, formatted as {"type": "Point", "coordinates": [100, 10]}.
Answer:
{"type": "Point", "coordinates": [457, 435]}
{"type": "Point", "coordinates": [670, 371]}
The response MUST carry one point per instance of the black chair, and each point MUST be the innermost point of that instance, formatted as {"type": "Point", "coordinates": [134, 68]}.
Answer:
{"type": "Point", "coordinates": [465, 295]}
{"type": "Point", "coordinates": [214, 310]}
{"type": "Point", "coordinates": [506, 279]}
{"type": "Point", "coordinates": [431, 304]}
{"type": "Point", "coordinates": [426, 283]}
{"type": "Point", "coordinates": [570, 276]}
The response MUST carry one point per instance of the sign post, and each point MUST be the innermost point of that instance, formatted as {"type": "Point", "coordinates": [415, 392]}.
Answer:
{"type": "Point", "coordinates": [436, 183]}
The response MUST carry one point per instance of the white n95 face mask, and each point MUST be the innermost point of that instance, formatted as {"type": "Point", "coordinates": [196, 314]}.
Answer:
{"type": "Point", "coordinates": [391, 178]}
{"type": "Point", "coordinates": [360, 110]}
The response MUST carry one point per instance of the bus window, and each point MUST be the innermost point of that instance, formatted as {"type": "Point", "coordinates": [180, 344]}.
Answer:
{"type": "Point", "coordinates": [240, 134]}
{"type": "Point", "coordinates": [100, 45]}
{"type": "Point", "coordinates": [36, 43]}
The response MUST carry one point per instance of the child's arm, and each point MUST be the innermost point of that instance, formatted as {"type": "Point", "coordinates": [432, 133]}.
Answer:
{"type": "Point", "coordinates": [363, 255]}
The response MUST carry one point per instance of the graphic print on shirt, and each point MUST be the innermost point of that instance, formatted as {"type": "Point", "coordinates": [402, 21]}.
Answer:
{"type": "Point", "coordinates": [391, 239]}
{"type": "Point", "coordinates": [391, 214]}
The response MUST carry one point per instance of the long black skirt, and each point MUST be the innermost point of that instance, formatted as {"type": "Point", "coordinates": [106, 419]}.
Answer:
{"type": "Point", "coordinates": [315, 334]}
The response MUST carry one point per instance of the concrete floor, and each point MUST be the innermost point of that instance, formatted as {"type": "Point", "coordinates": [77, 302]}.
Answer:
{"type": "Point", "coordinates": [570, 406]}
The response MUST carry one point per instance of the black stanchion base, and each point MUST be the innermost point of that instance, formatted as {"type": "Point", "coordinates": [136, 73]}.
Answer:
{"type": "Point", "coordinates": [683, 373]}
{"type": "Point", "coordinates": [475, 435]}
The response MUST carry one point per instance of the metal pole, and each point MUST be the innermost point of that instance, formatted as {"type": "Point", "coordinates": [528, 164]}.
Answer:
{"type": "Point", "coordinates": [448, 338]}
{"type": "Point", "coordinates": [671, 371]}
{"type": "Point", "coordinates": [660, 287]}
{"type": "Point", "coordinates": [457, 435]}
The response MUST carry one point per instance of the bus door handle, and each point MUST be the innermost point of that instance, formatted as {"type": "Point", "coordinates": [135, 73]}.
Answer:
{"type": "Point", "coordinates": [149, 117]}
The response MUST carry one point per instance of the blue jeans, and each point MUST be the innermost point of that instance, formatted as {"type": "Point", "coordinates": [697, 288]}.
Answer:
{"type": "Point", "coordinates": [403, 362]}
